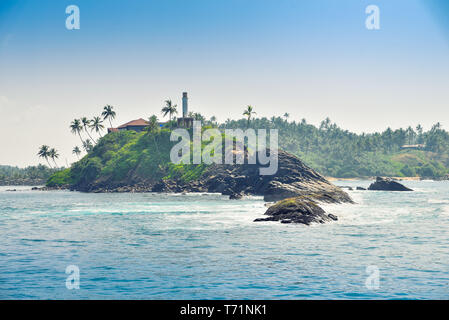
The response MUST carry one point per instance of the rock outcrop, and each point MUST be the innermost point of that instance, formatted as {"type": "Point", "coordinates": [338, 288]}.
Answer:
{"type": "Point", "coordinates": [297, 210]}
{"type": "Point", "coordinates": [387, 184]}
{"type": "Point", "coordinates": [292, 179]}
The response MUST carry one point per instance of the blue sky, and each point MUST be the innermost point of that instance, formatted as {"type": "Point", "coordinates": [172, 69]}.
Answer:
{"type": "Point", "coordinates": [312, 59]}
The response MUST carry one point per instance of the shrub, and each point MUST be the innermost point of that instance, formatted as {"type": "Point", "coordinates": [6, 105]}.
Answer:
{"type": "Point", "coordinates": [60, 178]}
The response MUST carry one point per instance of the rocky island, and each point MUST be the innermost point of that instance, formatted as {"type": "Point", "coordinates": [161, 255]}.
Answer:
{"type": "Point", "coordinates": [387, 184]}
{"type": "Point", "coordinates": [138, 162]}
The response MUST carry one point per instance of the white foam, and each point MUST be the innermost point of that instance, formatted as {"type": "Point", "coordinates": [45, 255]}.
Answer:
{"type": "Point", "coordinates": [438, 201]}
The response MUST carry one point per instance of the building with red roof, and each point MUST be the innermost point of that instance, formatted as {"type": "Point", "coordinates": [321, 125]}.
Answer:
{"type": "Point", "coordinates": [135, 125]}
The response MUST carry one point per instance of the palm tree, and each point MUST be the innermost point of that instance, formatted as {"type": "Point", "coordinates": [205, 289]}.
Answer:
{"type": "Point", "coordinates": [436, 127]}
{"type": "Point", "coordinates": [419, 130]}
{"type": "Point", "coordinates": [249, 111]}
{"type": "Point", "coordinates": [76, 151]}
{"type": "Point", "coordinates": [86, 124]}
{"type": "Point", "coordinates": [44, 153]}
{"type": "Point", "coordinates": [87, 145]}
{"type": "Point", "coordinates": [97, 124]}
{"type": "Point", "coordinates": [152, 127]}
{"type": "Point", "coordinates": [53, 154]}
{"type": "Point", "coordinates": [410, 134]}
{"type": "Point", "coordinates": [76, 128]}
{"type": "Point", "coordinates": [286, 116]}
{"type": "Point", "coordinates": [169, 109]}
{"type": "Point", "coordinates": [198, 116]}
{"type": "Point", "coordinates": [108, 113]}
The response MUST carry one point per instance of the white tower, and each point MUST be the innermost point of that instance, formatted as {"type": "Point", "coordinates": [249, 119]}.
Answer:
{"type": "Point", "coordinates": [185, 109]}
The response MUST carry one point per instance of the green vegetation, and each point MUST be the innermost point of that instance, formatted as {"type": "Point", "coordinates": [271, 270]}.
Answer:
{"type": "Point", "coordinates": [335, 152]}
{"type": "Point", "coordinates": [33, 175]}
{"type": "Point", "coordinates": [129, 157]}
{"type": "Point", "coordinates": [60, 178]}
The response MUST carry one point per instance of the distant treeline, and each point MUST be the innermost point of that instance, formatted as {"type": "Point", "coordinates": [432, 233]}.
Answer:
{"type": "Point", "coordinates": [336, 152]}
{"type": "Point", "coordinates": [327, 148]}
{"type": "Point", "coordinates": [32, 175]}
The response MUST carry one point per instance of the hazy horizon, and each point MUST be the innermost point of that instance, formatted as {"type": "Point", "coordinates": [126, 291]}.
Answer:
{"type": "Point", "coordinates": [313, 60]}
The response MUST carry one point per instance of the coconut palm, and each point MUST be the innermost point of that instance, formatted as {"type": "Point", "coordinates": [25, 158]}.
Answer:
{"type": "Point", "coordinates": [249, 111]}
{"type": "Point", "coordinates": [97, 124]}
{"type": "Point", "coordinates": [108, 113]}
{"type": "Point", "coordinates": [437, 126]}
{"type": "Point", "coordinates": [44, 153]}
{"type": "Point", "coordinates": [198, 117]}
{"type": "Point", "coordinates": [53, 154]}
{"type": "Point", "coordinates": [87, 145]}
{"type": "Point", "coordinates": [86, 124]}
{"type": "Point", "coordinates": [169, 109]}
{"type": "Point", "coordinates": [286, 116]}
{"type": "Point", "coordinates": [76, 151]}
{"type": "Point", "coordinates": [153, 126]}
{"type": "Point", "coordinates": [76, 128]}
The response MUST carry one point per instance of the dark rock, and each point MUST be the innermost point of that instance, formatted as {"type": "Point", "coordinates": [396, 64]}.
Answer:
{"type": "Point", "coordinates": [292, 179]}
{"type": "Point", "coordinates": [360, 188]}
{"type": "Point", "coordinates": [387, 184]}
{"type": "Point", "coordinates": [11, 190]}
{"type": "Point", "coordinates": [276, 191]}
{"type": "Point", "coordinates": [236, 196]}
{"type": "Point", "coordinates": [333, 217]}
{"type": "Point", "coordinates": [164, 186]}
{"type": "Point", "coordinates": [297, 210]}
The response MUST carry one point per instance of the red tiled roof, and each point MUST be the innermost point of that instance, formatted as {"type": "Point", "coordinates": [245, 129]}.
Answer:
{"type": "Point", "coordinates": [135, 123]}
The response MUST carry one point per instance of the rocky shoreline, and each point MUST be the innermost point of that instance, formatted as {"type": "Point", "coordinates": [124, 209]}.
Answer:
{"type": "Point", "coordinates": [293, 179]}
{"type": "Point", "coordinates": [295, 189]}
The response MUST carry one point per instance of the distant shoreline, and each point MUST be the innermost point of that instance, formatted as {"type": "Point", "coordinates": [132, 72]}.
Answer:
{"type": "Point", "coordinates": [374, 178]}
{"type": "Point", "coordinates": [33, 183]}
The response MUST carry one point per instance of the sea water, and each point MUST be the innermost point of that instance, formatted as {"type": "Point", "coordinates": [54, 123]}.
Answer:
{"type": "Point", "coordinates": [389, 245]}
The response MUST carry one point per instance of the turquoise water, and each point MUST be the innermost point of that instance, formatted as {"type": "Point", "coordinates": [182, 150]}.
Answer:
{"type": "Point", "coordinates": [149, 246]}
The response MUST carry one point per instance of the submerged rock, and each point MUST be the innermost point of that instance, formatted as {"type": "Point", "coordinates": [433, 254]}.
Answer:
{"type": "Point", "coordinates": [387, 184]}
{"type": "Point", "coordinates": [297, 210]}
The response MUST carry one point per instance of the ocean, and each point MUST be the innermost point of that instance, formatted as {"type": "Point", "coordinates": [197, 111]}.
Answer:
{"type": "Point", "coordinates": [389, 245]}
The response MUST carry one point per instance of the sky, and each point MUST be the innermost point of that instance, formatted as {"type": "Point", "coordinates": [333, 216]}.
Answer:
{"type": "Point", "coordinates": [312, 59]}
